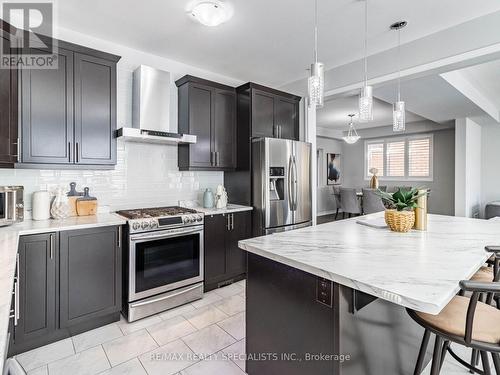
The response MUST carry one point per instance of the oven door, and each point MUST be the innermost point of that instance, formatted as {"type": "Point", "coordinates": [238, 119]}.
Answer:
{"type": "Point", "coordinates": [164, 260]}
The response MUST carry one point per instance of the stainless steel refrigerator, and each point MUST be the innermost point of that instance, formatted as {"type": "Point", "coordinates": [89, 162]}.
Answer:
{"type": "Point", "coordinates": [281, 178]}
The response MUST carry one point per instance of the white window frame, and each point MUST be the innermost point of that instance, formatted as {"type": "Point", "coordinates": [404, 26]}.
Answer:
{"type": "Point", "coordinates": [406, 139]}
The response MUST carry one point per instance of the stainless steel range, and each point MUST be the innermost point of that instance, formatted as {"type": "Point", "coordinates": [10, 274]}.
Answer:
{"type": "Point", "coordinates": [163, 262]}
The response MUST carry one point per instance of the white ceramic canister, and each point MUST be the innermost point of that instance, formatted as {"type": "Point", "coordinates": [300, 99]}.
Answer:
{"type": "Point", "coordinates": [40, 204]}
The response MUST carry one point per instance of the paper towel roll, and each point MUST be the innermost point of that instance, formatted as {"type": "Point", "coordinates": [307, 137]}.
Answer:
{"type": "Point", "coordinates": [40, 205]}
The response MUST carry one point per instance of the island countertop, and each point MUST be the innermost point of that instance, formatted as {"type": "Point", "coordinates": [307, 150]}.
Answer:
{"type": "Point", "coordinates": [419, 269]}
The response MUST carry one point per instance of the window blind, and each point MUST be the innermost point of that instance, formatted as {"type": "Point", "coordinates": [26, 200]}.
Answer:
{"type": "Point", "coordinates": [395, 159]}
{"type": "Point", "coordinates": [375, 158]}
{"type": "Point", "coordinates": [419, 157]}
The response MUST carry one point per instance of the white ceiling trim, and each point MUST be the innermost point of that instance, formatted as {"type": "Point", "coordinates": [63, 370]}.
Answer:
{"type": "Point", "coordinates": [425, 69]}
{"type": "Point", "coordinates": [462, 84]}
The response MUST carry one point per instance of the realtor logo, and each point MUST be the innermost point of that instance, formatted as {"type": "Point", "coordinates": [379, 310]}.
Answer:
{"type": "Point", "coordinates": [30, 45]}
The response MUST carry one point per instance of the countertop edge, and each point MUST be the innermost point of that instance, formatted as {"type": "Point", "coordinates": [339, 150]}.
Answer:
{"type": "Point", "coordinates": [401, 300]}
{"type": "Point", "coordinates": [221, 211]}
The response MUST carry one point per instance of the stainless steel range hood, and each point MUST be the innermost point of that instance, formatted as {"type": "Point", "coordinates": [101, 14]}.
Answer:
{"type": "Point", "coordinates": [151, 109]}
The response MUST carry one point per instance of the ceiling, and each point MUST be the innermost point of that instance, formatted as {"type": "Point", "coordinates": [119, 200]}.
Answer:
{"type": "Point", "coordinates": [485, 77]}
{"type": "Point", "coordinates": [269, 42]}
{"type": "Point", "coordinates": [433, 98]}
{"type": "Point", "coordinates": [334, 114]}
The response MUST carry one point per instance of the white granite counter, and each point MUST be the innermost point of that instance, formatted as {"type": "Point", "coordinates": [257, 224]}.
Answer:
{"type": "Point", "coordinates": [231, 208]}
{"type": "Point", "coordinates": [9, 239]}
{"type": "Point", "coordinates": [419, 270]}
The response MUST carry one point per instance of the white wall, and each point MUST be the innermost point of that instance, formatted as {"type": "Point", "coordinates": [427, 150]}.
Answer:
{"type": "Point", "coordinates": [146, 174]}
{"type": "Point", "coordinates": [325, 198]}
{"type": "Point", "coordinates": [468, 165]}
{"type": "Point", "coordinates": [490, 157]}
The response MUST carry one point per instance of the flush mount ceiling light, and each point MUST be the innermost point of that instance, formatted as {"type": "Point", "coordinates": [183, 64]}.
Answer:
{"type": "Point", "coordinates": [211, 13]}
{"type": "Point", "coordinates": [352, 135]}
{"type": "Point", "coordinates": [398, 111]}
{"type": "Point", "coordinates": [366, 96]}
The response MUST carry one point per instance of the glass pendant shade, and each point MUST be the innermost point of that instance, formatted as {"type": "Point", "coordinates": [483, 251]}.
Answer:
{"type": "Point", "coordinates": [352, 135]}
{"type": "Point", "coordinates": [366, 104]}
{"type": "Point", "coordinates": [398, 117]}
{"type": "Point", "coordinates": [316, 85]}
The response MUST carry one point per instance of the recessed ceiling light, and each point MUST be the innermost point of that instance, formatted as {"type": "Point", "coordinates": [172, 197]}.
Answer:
{"type": "Point", "coordinates": [211, 13]}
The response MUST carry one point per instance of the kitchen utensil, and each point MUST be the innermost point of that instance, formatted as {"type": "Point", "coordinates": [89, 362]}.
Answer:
{"type": "Point", "coordinates": [40, 203]}
{"type": "Point", "coordinates": [86, 205]}
{"type": "Point", "coordinates": [73, 195]}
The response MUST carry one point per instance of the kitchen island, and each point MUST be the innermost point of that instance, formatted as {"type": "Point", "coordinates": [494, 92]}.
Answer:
{"type": "Point", "coordinates": [331, 299]}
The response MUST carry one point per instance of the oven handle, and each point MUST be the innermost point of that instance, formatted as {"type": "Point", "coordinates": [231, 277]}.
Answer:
{"type": "Point", "coordinates": [137, 304]}
{"type": "Point", "coordinates": [165, 234]}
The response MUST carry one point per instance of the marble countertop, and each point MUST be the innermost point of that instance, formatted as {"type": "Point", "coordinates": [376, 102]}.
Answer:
{"type": "Point", "coordinates": [9, 240]}
{"type": "Point", "coordinates": [420, 269]}
{"type": "Point", "coordinates": [231, 208]}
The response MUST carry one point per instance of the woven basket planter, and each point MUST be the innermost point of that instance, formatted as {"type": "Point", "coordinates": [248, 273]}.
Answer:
{"type": "Point", "coordinates": [400, 221]}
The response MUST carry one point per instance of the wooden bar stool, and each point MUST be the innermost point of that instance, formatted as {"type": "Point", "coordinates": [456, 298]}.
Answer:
{"type": "Point", "coordinates": [464, 321]}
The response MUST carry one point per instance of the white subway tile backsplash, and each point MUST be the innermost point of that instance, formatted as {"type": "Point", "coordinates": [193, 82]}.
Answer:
{"type": "Point", "coordinates": [145, 175]}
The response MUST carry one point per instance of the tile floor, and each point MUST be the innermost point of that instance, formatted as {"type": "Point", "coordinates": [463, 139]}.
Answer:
{"type": "Point", "coordinates": [206, 337]}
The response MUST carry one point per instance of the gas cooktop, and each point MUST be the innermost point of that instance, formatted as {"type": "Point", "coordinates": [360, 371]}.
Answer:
{"type": "Point", "coordinates": [154, 212]}
{"type": "Point", "coordinates": [155, 218]}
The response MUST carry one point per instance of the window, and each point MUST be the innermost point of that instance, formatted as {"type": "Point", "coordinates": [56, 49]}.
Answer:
{"type": "Point", "coordinates": [375, 158]}
{"type": "Point", "coordinates": [395, 159]}
{"type": "Point", "coordinates": [400, 158]}
{"type": "Point", "coordinates": [419, 157]}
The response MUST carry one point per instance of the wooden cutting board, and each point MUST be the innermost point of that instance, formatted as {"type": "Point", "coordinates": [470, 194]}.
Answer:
{"type": "Point", "coordinates": [86, 208]}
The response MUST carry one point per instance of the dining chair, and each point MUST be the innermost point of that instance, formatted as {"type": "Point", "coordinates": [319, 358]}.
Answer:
{"type": "Point", "coordinates": [372, 202]}
{"type": "Point", "coordinates": [471, 322]}
{"type": "Point", "coordinates": [349, 202]}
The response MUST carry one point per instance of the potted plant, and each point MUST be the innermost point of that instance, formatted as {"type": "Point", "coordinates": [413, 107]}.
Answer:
{"type": "Point", "coordinates": [400, 208]}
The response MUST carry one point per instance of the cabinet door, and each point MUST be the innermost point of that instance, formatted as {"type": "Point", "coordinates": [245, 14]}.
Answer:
{"type": "Point", "coordinates": [224, 129]}
{"type": "Point", "coordinates": [240, 230]}
{"type": "Point", "coordinates": [37, 289]}
{"type": "Point", "coordinates": [90, 275]}
{"type": "Point", "coordinates": [47, 112]}
{"type": "Point", "coordinates": [95, 110]}
{"type": "Point", "coordinates": [262, 114]}
{"type": "Point", "coordinates": [201, 116]}
{"type": "Point", "coordinates": [287, 118]}
{"type": "Point", "coordinates": [214, 250]}
{"type": "Point", "coordinates": [8, 115]}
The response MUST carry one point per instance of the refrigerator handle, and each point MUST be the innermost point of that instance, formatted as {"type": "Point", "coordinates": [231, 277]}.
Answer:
{"type": "Point", "coordinates": [290, 182]}
{"type": "Point", "coordinates": [294, 184]}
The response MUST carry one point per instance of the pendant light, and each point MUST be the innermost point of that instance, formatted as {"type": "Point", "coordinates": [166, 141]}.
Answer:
{"type": "Point", "coordinates": [352, 135]}
{"type": "Point", "coordinates": [398, 111]}
{"type": "Point", "coordinates": [366, 96]}
{"type": "Point", "coordinates": [316, 82]}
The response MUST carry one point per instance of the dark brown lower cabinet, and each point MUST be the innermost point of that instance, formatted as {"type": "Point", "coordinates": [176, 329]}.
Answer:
{"type": "Point", "coordinates": [225, 262]}
{"type": "Point", "coordinates": [68, 282]}
{"type": "Point", "coordinates": [37, 270]}
{"type": "Point", "coordinates": [90, 275]}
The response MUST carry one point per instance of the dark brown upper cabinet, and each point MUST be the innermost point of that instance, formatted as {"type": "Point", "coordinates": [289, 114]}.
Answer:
{"type": "Point", "coordinates": [268, 112]}
{"type": "Point", "coordinates": [65, 117]}
{"type": "Point", "coordinates": [208, 110]}
{"type": "Point", "coordinates": [8, 115]}
{"type": "Point", "coordinates": [264, 112]}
